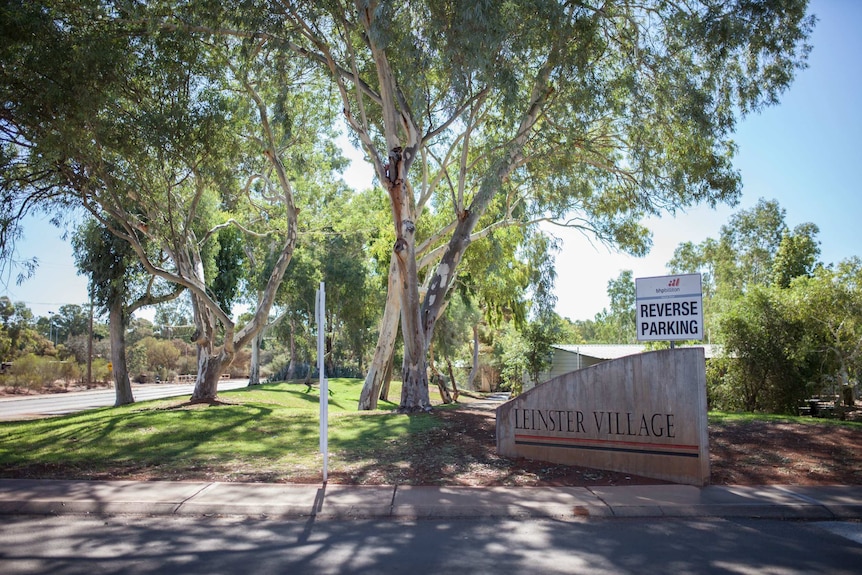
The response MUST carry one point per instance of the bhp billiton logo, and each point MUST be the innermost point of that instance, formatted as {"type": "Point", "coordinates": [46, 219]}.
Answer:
{"type": "Point", "coordinates": [673, 283]}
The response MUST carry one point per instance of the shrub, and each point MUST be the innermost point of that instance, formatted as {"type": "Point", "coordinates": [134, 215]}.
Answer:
{"type": "Point", "coordinates": [35, 372]}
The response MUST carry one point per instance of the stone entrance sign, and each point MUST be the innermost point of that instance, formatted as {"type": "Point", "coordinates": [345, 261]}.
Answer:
{"type": "Point", "coordinates": [643, 414]}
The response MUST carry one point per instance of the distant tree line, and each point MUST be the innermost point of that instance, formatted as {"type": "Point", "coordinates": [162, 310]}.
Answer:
{"type": "Point", "coordinates": [789, 325]}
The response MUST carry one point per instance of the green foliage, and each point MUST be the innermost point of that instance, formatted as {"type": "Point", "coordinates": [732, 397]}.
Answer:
{"type": "Point", "coordinates": [498, 275]}
{"type": "Point", "coordinates": [789, 325]}
{"type": "Point", "coordinates": [510, 352]}
{"type": "Point", "coordinates": [35, 372]}
{"type": "Point", "coordinates": [155, 357]}
{"type": "Point", "coordinates": [78, 348]}
{"type": "Point", "coordinates": [539, 335]}
{"type": "Point", "coordinates": [106, 259]}
{"type": "Point", "coordinates": [797, 255]}
{"type": "Point", "coordinates": [230, 262]}
{"type": "Point", "coordinates": [155, 115]}
{"type": "Point", "coordinates": [19, 335]}
{"type": "Point", "coordinates": [831, 301]}
{"type": "Point", "coordinates": [526, 352]}
{"type": "Point", "coordinates": [69, 321]}
{"type": "Point", "coordinates": [724, 417]}
{"type": "Point", "coordinates": [618, 325]}
{"type": "Point", "coordinates": [453, 336]}
{"type": "Point", "coordinates": [25, 373]}
{"type": "Point", "coordinates": [774, 355]}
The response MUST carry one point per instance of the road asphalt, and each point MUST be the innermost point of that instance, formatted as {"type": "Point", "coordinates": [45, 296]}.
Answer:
{"type": "Point", "coordinates": [330, 501]}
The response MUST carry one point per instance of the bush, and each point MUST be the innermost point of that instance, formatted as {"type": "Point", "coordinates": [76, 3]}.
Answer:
{"type": "Point", "coordinates": [35, 372]}
{"type": "Point", "coordinates": [25, 373]}
{"type": "Point", "coordinates": [722, 391]}
{"type": "Point", "coordinates": [68, 371]}
{"type": "Point", "coordinates": [101, 370]}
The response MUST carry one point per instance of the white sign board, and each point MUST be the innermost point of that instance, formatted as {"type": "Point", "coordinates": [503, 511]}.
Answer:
{"type": "Point", "coordinates": [669, 308]}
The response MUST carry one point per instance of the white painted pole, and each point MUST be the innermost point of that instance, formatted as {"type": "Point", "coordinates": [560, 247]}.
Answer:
{"type": "Point", "coordinates": [323, 384]}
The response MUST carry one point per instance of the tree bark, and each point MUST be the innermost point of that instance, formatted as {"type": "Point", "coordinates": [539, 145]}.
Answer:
{"type": "Point", "coordinates": [438, 378]}
{"type": "Point", "coordinates": [119, 368]}
{"type": "Point", "coordinates": [474, 369]}
{"type": "Point", "coordinates": [455, 392]}
{"type": "Point", "coordinates": [380, 369]}
{"type": "Point", "coordinates": [387, 378]}
{"type": "Point", "coordinates": [118, 315]}
{"type": "Point", "coordinates": [254, 368]}
{"type": "Point", "coordinates": [414, 370]}
{"type": "Point", "coordinates": [511, 157]}
{"type": "Point", "coordinates": [210, 367]}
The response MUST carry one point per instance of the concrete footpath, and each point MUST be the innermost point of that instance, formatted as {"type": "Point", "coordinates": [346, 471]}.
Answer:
{"type": "Point", "coordinates": [52, 497]}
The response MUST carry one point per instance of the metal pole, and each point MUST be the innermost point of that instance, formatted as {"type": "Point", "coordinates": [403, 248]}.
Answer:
{"type": "Point", "coordinates": [323, 384]}
{"type": "Point", "coordinates": [90, 342]}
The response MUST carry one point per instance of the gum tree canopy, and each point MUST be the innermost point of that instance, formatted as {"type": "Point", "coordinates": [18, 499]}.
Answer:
{"type": "Point", "coordinates": [165, 135]}
{"type": "Point", "coordinates": [477, 113]}
{"type": "Point", "coordinates": [589, 114]}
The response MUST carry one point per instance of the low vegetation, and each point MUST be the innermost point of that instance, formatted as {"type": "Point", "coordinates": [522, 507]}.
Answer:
{"type": "Point", "coordinates": [270, 433]}
{"type": "Point", "coordinates": [265, 432]}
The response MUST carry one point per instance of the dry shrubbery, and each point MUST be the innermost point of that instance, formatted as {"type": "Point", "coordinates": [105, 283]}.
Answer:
{"type": "Point", "coordinates": [34, 373]}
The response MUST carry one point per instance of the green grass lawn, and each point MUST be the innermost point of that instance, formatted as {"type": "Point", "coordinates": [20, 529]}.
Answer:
{"type": "Point", "coordinates": [724, 418]}
{"type": "Point", "coordinates": [264, 433]}
{"type": "Point", "coordinates": [268, 432]}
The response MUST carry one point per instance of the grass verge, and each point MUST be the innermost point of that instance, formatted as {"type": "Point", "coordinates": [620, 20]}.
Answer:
{"type": "Point", "coordinates": [270, 433]}
{"type": "Point", "coordinates": [728, 418]}
{"type": "Point", "coordinates": [265, 433]}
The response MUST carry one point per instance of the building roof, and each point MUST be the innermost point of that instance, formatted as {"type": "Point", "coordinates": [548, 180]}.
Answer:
{"type": "Point", "coordinates": [614, 351]}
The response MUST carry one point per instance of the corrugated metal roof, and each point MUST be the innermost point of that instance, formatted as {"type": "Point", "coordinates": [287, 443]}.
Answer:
{"type": "Point", "coordinates": [614, 351]}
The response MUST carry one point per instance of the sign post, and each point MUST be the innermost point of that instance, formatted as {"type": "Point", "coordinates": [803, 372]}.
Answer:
{"type": "Point", "coordinates": [669, 308]}
{"type": "Point", "coordinates": [320, 313]}
{"type": "Point", "coordinates": [645, 413]}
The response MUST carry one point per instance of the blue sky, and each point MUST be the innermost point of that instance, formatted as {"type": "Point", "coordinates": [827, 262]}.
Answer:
{"type": "Point", "coordinates": [805, 153]}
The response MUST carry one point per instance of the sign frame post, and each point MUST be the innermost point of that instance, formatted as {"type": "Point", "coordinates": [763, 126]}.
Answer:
{"type": "Point", "coordinates": [323, 383]}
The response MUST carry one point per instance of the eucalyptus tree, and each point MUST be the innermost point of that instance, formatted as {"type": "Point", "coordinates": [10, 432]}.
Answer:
{"type": "Point", "coordinates": [18, 330]}
{"type": "Point", "coordinates": [592, 116]}
{"type": "Point", "coordinates": [162, 134]}
{"type": "Point", "coordinates": [748, 244]}
{"type": "Point", "coordinates": [617, 325]}
{"type": "Point", "coordinates": [773, 350]}
{"type": "Point", "coordinates": [602, 114]}
{"type": "Point", "coordinates": [331, 250]}
{"type": "Point", "coordinates": [833, 297]}
{"type": "Point", "coordinates": [120, 286]}
{"type": "Point", "coordinates": [755, 247]}
{"type": "Point", "coordinates": [797, 255]}
{"type": "Point", "coordinates": [797, 340]}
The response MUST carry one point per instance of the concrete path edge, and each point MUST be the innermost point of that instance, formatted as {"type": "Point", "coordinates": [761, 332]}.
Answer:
{"type": "Point", "coordinates": [330, 501]}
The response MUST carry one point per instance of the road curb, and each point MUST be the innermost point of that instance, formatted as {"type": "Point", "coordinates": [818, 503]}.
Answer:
{"type": "Point", "coordinates": [322, 501]}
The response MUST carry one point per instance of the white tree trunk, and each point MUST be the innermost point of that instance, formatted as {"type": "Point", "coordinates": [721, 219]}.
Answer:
{"type": "Point", "coordinates": [210, 367]}
{"type": "Point", "coordinates": [254, 368]}
{"type": "Point", "coordinates": [414, 370]}
{"type": "Point", "coordinates": [474, 370]}
{"type": "Point", "coordinates": [380, 369]}
{"type": "Point", "coordinates": [119, 368]}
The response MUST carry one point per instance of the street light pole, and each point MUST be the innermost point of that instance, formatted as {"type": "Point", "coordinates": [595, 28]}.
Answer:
{"type": "Point", "coordinates": [51, 326]}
